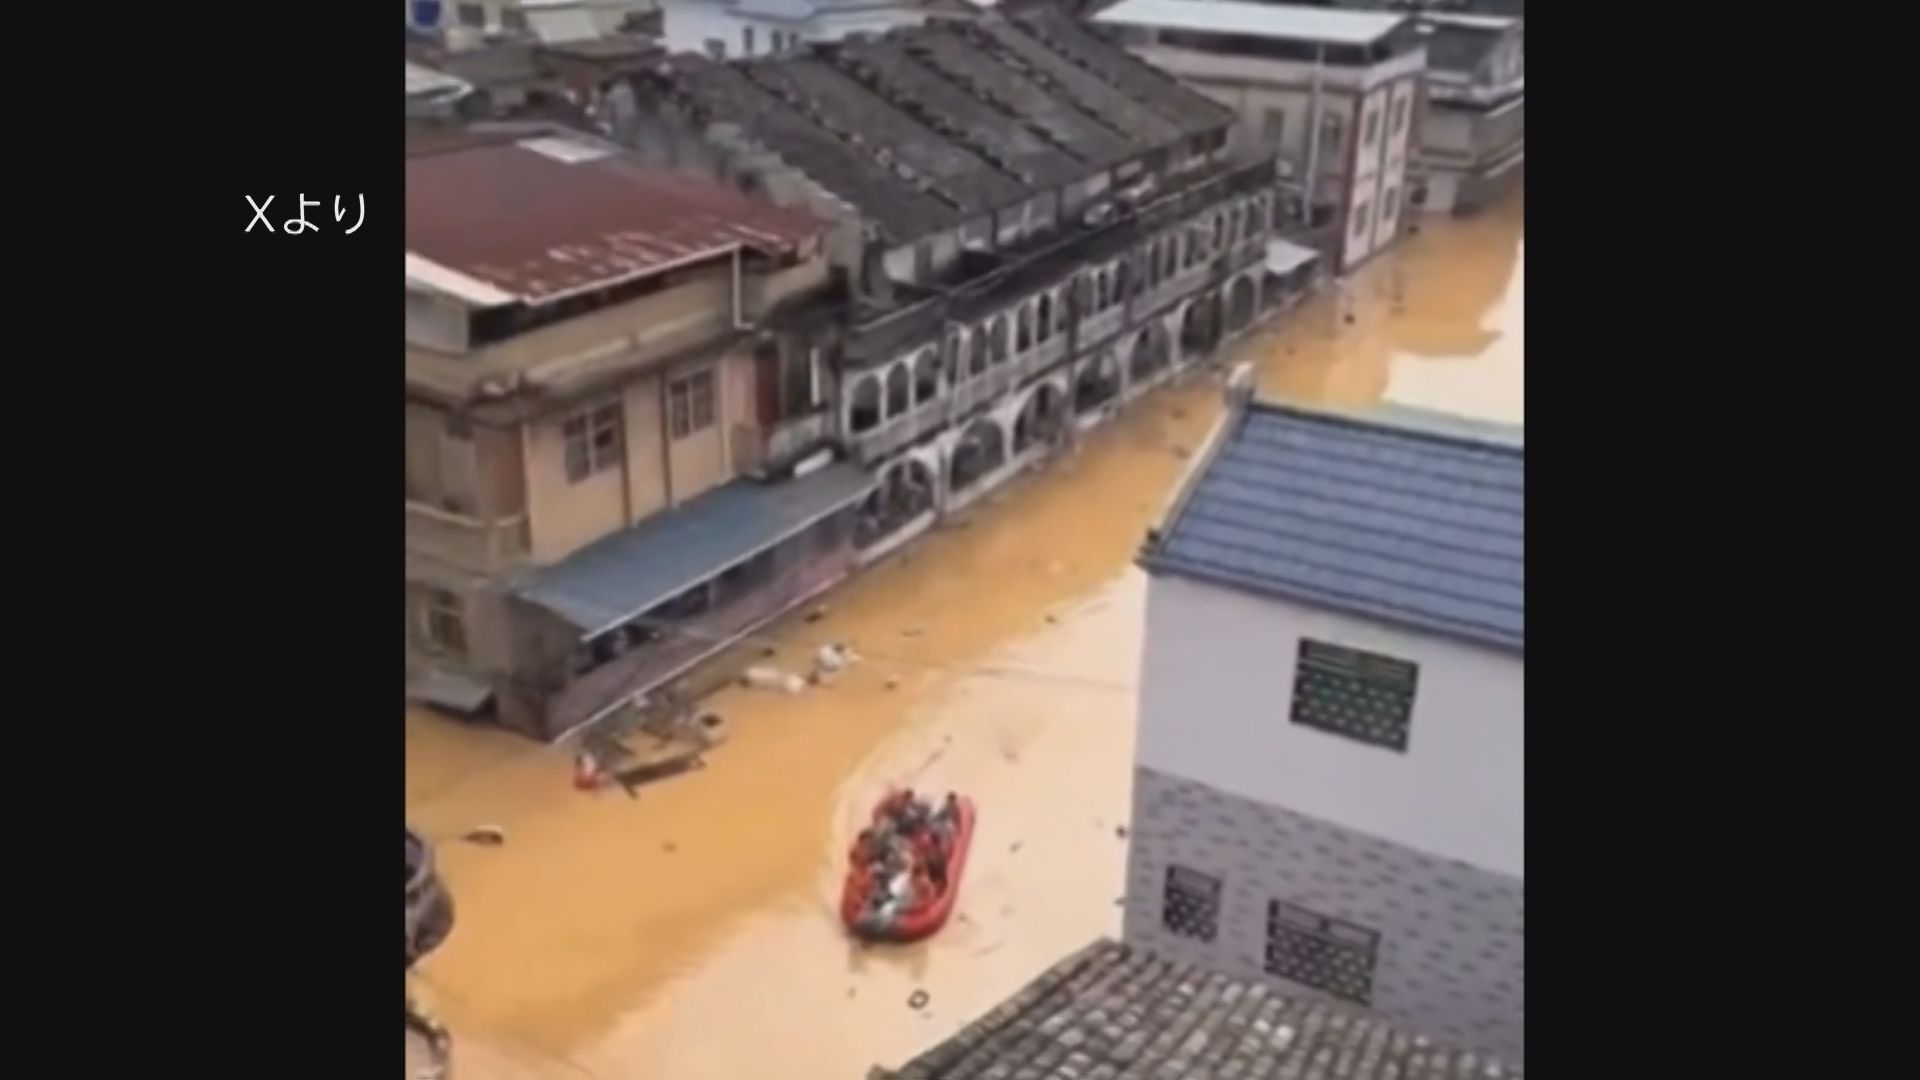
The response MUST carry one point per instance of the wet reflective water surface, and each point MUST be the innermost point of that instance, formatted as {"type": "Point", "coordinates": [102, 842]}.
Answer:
{"type": "Point", "coordinates": [689, 933]}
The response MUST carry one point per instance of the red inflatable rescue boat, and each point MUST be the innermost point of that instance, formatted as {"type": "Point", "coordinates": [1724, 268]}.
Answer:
{"type": "Point", "coordinates": [930, 906]}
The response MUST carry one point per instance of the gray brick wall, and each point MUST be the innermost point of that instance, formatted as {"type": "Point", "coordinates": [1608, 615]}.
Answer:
{"type": "Point", "coordinates": [1451, 951]}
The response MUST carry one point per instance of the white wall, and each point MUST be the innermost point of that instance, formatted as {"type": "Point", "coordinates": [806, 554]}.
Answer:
{"type": "Point", "coordinates": [687, 25]}
{"type": "Point", "coordinates": [1216, 688]}
{"type": "Point", "coordinates": [1392, 203]}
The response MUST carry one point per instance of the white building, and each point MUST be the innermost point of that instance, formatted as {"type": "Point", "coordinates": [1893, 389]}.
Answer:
{"type": "Point", "coordinates": [1474, 138]}
{"type": "Point", "coordinates": [1328, 785]}
{"type": "Point", "coordinates": [548, 20]}
{"type": "Point", "coordinates": [727, 29]}
{"type": "Point", "coordinates": [1352, 76]}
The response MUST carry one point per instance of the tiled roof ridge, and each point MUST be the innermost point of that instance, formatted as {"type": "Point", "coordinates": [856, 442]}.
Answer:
{"type": "Point", "coordinates": [1362, 422]}
{"type": "Point", "coordinates": [1113, 1011]}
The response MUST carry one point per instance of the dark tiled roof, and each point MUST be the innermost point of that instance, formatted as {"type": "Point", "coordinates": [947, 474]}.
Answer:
{"type": "Point", "coordinates": [1411, 525]}
{"type": "Point", "coordinates": [949, 51]}
{"type": "Point", "coordinates": [720, 93]}
{"type": "Point", "coordinates": [1111, 1012]}
{"type": "Point", "coordinates": [1147, 128]}
{"type": "Point", "coordinates": [1195, 112]}
{"type": "Point", "coordinates": [856, 114]}
{"type": "Point", "coordinates": [887, 67]}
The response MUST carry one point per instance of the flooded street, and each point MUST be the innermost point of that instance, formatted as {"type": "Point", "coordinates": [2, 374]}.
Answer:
{"type": "Point", "coordinates": [689, 933]}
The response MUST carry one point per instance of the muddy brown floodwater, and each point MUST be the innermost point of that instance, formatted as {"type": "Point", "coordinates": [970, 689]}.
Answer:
{"type": "Point", "coordinates": [689, 934]}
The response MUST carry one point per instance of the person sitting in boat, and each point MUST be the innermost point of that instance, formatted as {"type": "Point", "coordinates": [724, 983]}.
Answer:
{"type": "Point", "coordinates": [920, 889]}
{"type": "Point", "coordinates": [913, 816]}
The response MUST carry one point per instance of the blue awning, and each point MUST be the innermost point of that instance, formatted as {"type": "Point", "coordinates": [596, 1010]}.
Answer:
{"type": "Point", "coordinates": [618, 577]}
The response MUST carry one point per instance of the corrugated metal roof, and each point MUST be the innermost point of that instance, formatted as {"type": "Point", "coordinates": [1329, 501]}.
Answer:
{"type": "Point", "coordinates": [1408, 524]}
{"type": "Point", "coordinates": [539, 223]}
{"type": "Point", "coordinates": [616, 578]}
{"type": "Point", "coordinates": [1330, 25]}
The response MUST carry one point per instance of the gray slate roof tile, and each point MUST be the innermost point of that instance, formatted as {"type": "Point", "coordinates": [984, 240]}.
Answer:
{"type": "Point", "coordinates": [1409, 524]}
{"type": "Point", "coordinates": [1115, 1012]}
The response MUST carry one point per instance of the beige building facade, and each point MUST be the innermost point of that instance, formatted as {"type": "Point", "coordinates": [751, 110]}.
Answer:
{"type": "Point", "coordinates": [545, 421]}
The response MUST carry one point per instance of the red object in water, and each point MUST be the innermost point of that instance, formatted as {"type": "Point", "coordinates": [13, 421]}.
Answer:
{"type": "Point", "coordinates": [923, 919]}
{"type": "Point", "coordinates": [586, 772]}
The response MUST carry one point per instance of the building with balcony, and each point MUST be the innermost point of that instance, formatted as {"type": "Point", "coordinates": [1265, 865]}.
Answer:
{"type": "Point", "coordinates": [601, 491]}
{"type": "Point", "coordinates": [1036, 227]}
{"type": "Point", "coordinates": [1333, 95]}
{"type": "Point", "coordinates": [1329, 781]}
{"type": "Point", "coordinates": [1474, 138]}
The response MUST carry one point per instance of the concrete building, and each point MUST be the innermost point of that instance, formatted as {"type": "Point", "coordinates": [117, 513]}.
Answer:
{"type": "Point", "coordinates": [726, 29]}
{"type": "Point", "coordinates": [1329, 777]}
{"type": "Point", "coordinates": [1114, 1010]}
{"type": "Point", "coordinates": [1474, 138]}
{"type": "Point", "coordinates": [1035, 228]}
{"type": "Point", "coordinates": [583, 395]}
{"type": "Point", "coordinates": [1333, 94]}
{"type": "Point", "coordinates": [472, 21]}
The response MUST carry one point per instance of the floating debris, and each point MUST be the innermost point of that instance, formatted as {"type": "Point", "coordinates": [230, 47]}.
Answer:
{"type": "Point", "coordinates": [818, 613]}
{"type": "Point", "coordinates": [1120, 831]}
{"type": "Point", "coordinates": [913, 631]}
{"type": "Point", "coordinates": [918, 1000]}
{"type": "Point", "coordinates": [1014, 848]}
{"type": "Point", "coordinates": [486, 835]}
{"type": "Point", "coordinates": [669, 847]}
{"type": "Point", "coordinates": [772, 678]}
{"type": "Point", "coordinates": [893, 682]}
{"type": "Point", "coordinates": [832, 659]}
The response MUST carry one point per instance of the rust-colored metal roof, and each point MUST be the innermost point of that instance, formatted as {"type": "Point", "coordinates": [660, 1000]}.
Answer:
{"type": "Point", "coordinates": [547, 216]}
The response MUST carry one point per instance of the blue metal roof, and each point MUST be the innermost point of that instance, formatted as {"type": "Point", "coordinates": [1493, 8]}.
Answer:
{"type": "Point", "coordinates": [620, 576]}
{"type": "Point", "coordinates": [1420, 526]}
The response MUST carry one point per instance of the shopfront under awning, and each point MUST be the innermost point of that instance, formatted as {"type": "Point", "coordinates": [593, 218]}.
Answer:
{"type": "Point", "coordinates": [616, 578]}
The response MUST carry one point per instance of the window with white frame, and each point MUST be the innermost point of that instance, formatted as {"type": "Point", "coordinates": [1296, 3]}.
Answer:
{"type": "Point", "coordinates": [593, 441]}
{"type": "Point", "coordinates": [690, 404]}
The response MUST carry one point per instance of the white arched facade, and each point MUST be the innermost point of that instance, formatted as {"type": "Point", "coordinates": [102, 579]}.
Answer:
{"type": "Point", "coordinates": [972, 370]}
